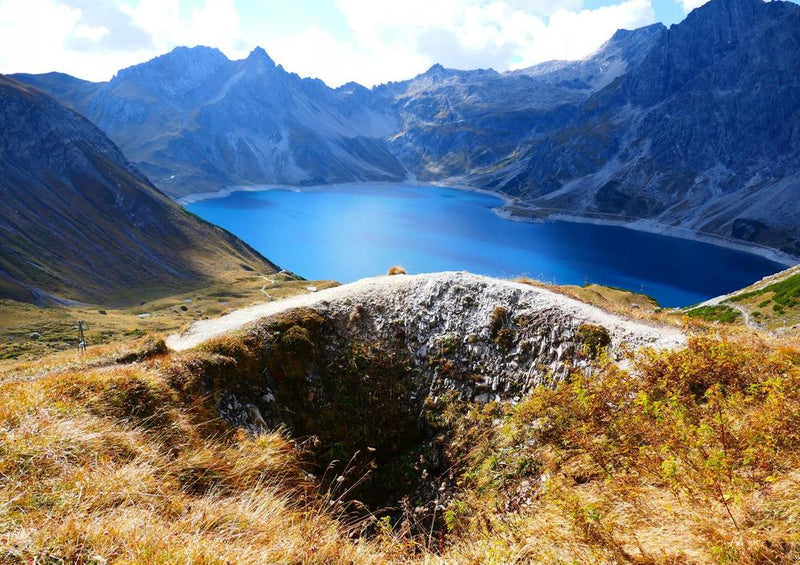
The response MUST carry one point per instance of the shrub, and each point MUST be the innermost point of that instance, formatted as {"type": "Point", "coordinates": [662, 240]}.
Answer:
{"type": "Point", "coordinates": [498, 320]}
{"type": "Point", "coordinates": [593, 339]}
{"type": "Point", "coordinates": [505, 338]}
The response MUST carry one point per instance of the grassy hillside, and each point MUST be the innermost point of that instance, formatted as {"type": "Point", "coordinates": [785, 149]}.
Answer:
{"type": "Point", "coordinates": [80, 223]}
{"type": "Point", "coordinates": [771, 304]}
{"type": "Point", "coordinates": [29, 332]}
{"type": "Point", "coordinates": [691, 456]}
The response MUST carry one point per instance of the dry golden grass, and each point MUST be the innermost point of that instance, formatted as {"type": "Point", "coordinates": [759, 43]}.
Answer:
{"type": "Point", "coordinates": [56, 325]}
{"type": "Point", "coordinates": [694, 458]}
{"type": "Point", "coordinates": [615, 300]}
{"type": "Point", "coordinates": [105, 466]}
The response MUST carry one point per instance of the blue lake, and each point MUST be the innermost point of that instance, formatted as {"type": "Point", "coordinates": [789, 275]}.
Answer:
{"type": "Point", "coordinates": [354, 231]}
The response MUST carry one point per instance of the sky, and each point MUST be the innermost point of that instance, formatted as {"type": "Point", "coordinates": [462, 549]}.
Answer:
{"type": "Point", "coordinates": [367, 41]}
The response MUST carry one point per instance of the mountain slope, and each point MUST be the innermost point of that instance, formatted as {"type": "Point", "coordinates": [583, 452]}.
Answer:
{"type": "Point", "coordinates": [194, 121]}
{"type": "Point", "coordinates": [704, 134]}
{"type": "Point", "coordinates": [79, 222]}
{"type": "Point", "coordinates": [454, 122]}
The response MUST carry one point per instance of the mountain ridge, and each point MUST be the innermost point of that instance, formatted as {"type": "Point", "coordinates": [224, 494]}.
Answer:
{"type": "Point", "coordinates": [80, 222]}
{"type": "Point", "coordinates": [692, 127]}
{"type": "Point", "coordinates": [702, 136]}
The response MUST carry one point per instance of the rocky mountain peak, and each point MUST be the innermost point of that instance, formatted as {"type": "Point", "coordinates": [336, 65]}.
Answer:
{"type": "Point", "coordinates": [435, 70]}
{"type": "Point", "coordinates": [259, 60]}
{"type": "Point", "coordinates": [622, 35]}
{"type": "Point", "coordinates": [175, 73]}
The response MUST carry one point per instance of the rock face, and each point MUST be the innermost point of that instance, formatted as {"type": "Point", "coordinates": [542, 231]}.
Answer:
{"type": "Point", "coordinates": [703, 134]}
{"type": "Point", "coordinates": [444, 333]}
{"type": "Point", "coordinates": [79, 222]}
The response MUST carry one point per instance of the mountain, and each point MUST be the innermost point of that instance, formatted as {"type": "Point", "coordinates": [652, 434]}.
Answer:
{"type": "Point", "coordinates": [454, 122]}
{"type": "Point", "coordinates": [704, 134]}
{"type": "Point", "coordinates": [695, 127]}
{"type": "Point", "coordinates": [79, 222]}
{"type": "Point", "coordinates": [194, 121]}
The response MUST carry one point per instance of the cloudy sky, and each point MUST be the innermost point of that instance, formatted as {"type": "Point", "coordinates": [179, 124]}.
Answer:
{"type": "Point", "coordinates": [369, 41]}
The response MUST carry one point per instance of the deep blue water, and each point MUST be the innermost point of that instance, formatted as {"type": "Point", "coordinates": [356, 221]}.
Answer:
{"type": "Point", "coordinates": [353, 231]}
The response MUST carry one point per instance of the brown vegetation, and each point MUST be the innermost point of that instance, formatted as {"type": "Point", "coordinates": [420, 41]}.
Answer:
{"type": "Point", "coordinates": [693, 457]}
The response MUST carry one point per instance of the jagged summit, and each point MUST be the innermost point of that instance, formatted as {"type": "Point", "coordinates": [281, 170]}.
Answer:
{"type": "Point", "coordinates": [259, 56]}
{"type": "Point", "coordinates": [435, 69]}
{"type": "Point", "coordinates": [624, 34]}
{"type": "Point", "coordinates": [181, 60]}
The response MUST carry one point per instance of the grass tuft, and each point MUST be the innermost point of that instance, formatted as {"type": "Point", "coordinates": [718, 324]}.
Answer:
{"type": "Point", "coordinates": [396, 270]}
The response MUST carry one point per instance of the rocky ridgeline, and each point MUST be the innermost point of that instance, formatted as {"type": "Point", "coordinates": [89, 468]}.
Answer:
{"type": "Point", "coordinates": [485, 339]}
{"type": "Point", "coordinates": [406, 339]}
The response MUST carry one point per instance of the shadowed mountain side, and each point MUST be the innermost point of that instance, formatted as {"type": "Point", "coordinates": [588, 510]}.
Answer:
{"type": "Point", "coordinates": [704, 134]}
{"type": "Point", "coordinates": [79, 222]}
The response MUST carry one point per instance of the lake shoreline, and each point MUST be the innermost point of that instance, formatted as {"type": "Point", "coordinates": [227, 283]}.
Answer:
{"type": "Point", "coordinates": [648, 226]}
{"type": "Point", "coordinates": [507, 212]}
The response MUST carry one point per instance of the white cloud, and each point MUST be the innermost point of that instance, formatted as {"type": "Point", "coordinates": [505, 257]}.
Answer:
{"type": "Point", "coordinates": [572, 35]}
{"type": "Point", "coordinates": [689, 5]}
{"type": "Point", "coordinates": [316, 53]}
{"type": "Point", "coordinates": [25, 45]}
{"type": "Point", "coordinates": [90, 33]}
{"type": "Point", "coordinates": [387, 40]}
{"type": "Point", "coordinates": [39, 36]}
{"type": "Point", "coordinates": [216, 24]}
{"type": "Point", "coordinates": [407, 37]}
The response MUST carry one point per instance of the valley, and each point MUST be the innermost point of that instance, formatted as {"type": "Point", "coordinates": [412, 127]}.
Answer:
{"type": "Point", "coordinates": [548, 315]}
{"type": "Point", "coordinates": [649, 128]}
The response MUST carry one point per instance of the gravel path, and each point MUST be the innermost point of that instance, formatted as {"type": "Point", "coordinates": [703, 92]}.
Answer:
{"type": "Point", "coordinates": [415, 291]}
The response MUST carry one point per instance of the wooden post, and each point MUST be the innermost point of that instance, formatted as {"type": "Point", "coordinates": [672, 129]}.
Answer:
{"type": "Point", "coordinates": [81, 338]}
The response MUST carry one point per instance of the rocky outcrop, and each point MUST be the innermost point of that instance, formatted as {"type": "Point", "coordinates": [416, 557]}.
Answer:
{"type": "Point", "coordinates": [370, 370]}
{"type": "Point", "coordinates": [483, 338]}
{"type": "Point", "coordinates": [476, 337]}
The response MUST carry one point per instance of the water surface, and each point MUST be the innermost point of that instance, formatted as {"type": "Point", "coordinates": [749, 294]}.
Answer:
{"type": "Point", "coordinates": [354, 231]}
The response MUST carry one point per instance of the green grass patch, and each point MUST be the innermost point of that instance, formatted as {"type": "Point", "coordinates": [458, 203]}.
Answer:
{"type": "Point", "coordinates": [720, 313]}
{"type": "Point", "coordinates": [786, 293]}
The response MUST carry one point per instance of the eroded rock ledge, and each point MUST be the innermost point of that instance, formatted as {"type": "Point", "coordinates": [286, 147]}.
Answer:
{"type": "Point", "coordinates": [481, 338]}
